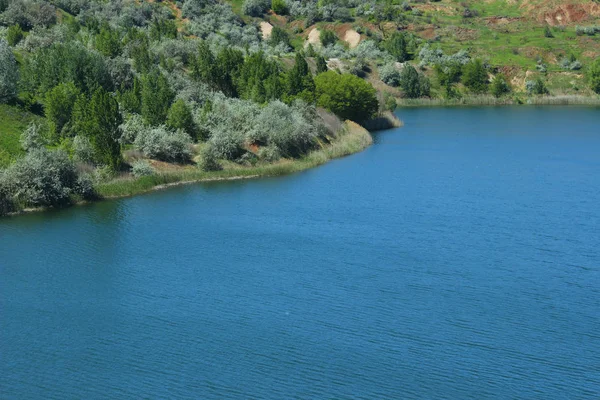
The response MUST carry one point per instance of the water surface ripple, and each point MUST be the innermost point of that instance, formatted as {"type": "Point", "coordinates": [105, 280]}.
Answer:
{"type": "Point", "coordinates": [457, 258]}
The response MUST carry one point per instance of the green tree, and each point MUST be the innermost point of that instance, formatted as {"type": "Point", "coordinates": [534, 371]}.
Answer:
{"type": "Point", "coordinates": [58, 107]}
{"type": "Point", "coordinates": [321, 64]}
{"type": "Point", "coordinates": [108, 41]}
{"type": "Point", "coordinates": [99, 120]}
{"type": "Point", "coordinates": [413, 85]}
{"type": "Point", "coordinates": [131, 99]}
{"type": "Point", "coordinates": [300, 82]}
{"type": "Point", "coordinates": [279, 7]}
{"type": "Point", "coordinates": [396, 46]}
{"type": "Point", "coordinates": [346, 95]}
{"type": "Point", "coordinates": [327, 38]}
{"type": "Point", "coordinates": [14, 35]}
{"type": "Point", "coordinates": [500, 86]}
{"type": "Point", "coordinates": [279, 35]}
{"type": "Point", "coordinates": [156, 97]}
{"type": "Point", "coordinates": [475, 76]}
{"type": "Point", "coordinates": [594, 76]}
{"type": "Point", "coordinates": [180, 117]}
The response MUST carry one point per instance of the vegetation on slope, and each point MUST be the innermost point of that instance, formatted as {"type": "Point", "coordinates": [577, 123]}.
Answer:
{"type": "Point", "coordinates": [131, 89]}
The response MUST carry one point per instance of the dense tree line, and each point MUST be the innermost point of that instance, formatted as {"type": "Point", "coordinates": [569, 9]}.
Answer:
{"type": "Point", "coordinates": [118, 76]}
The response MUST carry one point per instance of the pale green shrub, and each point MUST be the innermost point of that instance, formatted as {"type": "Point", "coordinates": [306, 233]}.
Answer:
{"type": "Point", "coordinates": [162, 144]}
{"type": "Point", "coordinates": [141, 168]}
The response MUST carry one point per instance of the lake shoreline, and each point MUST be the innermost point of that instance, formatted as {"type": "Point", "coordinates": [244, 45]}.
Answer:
{"type": "Point", "coordinates": [491, 101]}
{"type": "Point", "coordinates": [352, 139]}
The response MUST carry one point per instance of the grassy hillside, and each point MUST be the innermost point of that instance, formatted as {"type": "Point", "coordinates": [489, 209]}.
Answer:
{"type": "Point", "coordinates": [13, 121]}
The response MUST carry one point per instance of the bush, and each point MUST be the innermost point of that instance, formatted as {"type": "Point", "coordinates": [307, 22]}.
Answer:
{"type": "Point", "coordinates": [346, 95]}
{"type": "Point", "coordinates": [389, 75]}
{"type": "Point", "coordinates": [83, 150]}
{"type": "Point", "coordinates": [500, 86]}
{"type": "Point", "coordinates": [209, 160]}
{"type": "Point", "coordinates": [32, 137]}
{"type": "Point", "coordinates": [269, 154]}
{"type": "Point", "coordinates": [536, 87]}
{"type": "Point", "coordinates": [14, 35]}
{"type": "Point", "coordinates": [85, 187]}
{"type": "Point", "coordinates": [226, 144]}
{"type": "Point", "coordinates": [327, 37]}
{"type": "Point", "coordinates": [285, 128]}
{"type": "Point", "coordinates": [161, 144]}
{"type": "Point", "coordinates": [6, 203]}
{"type": "Point", "coordinates": [131, 128]}
{"type": "Point", "coordinates": [255, 8]}
{"type": "Point", "coordinates": [279, 7]}
{"type": "Point", "coordinates": [594, 76]}
{"type": "Point", "coordinates": [413, 85]}
{"type": "Point", "coordinates": [141, 168]}
{"type": "Point", "coordinates": [9, 73]}
{"type": "Point", "coordinates": [475, 76]}
{"type": "Point", "coordinates": [41, 178]}
{"type": "Point", "coordinates": [29, 14]}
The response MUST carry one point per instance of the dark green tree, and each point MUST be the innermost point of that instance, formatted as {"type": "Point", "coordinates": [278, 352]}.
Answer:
{"type": "Point", "coordinates": [14, 35]}
{"type": "Point", "coordinates": [396, 46]}
{"type": "Point", "coordinates": [98, 118]}
{"type": "Point", "coordinates": [321, 64]}
{"type": "Point", "coordinates": [328, 37]}
{"type": "Point", "coordinates": [300, 82]}
{"type": "Point", "coordinates": [500, 86]}
{"type": "Point", "coordinates": [475, 77]}
{"type": "Point", "coordinates": [108, 41]}
{"type": "Point", "coordinates": [157, 97]}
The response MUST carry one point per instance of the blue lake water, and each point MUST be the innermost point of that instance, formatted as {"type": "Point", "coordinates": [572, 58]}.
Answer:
{"type": "Point", "coordinates": [457, 258]}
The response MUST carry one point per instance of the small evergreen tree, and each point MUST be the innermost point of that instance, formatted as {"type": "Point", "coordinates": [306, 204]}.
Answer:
{"type": "Point", "coordinates": [180, 117]}
{"type": "Point", "coordinates": [14, 35]}
{"type": "Point", "coordinates": [500, 86]}
{"type": "Point", "coordinates": [475, 76]}
{"type": "Point", "coordinates": [156, 97]}
{"type": "Point", "coordinates": [327, 37]}
{"type": "Point", "coordinates": [396, 46]}
{"type": "Point", "coordinates": [321, 64]}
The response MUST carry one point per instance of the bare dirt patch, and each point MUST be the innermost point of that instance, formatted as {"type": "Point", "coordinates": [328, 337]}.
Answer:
{"type": "Point", "coordinates": [352, 38]}
{"type": "Point", "coordinates": [266, 29]}
{"type": "Point", "coordinates": [314, 38]}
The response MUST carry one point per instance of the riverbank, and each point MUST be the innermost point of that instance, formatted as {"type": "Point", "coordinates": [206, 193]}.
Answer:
{"type": "Point", "coordinates": [503, 101]}
{"type": "Point", "coordinates": [351, 139]}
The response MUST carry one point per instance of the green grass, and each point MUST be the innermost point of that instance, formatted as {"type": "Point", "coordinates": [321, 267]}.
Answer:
{"type": "Point", "coordinates": [13, 122]}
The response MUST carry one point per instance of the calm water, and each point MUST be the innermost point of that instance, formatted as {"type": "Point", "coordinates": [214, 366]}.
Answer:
{"type": "Point", "coordinates": [457, 258]}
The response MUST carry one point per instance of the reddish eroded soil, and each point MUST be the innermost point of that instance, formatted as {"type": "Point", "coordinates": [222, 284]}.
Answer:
{"type": "Point", "coordinates": [570, 13]}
